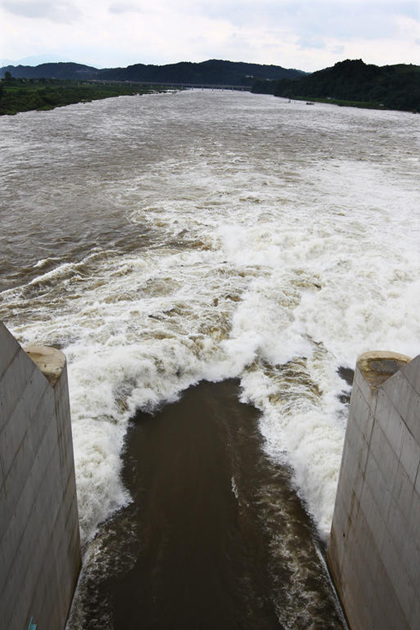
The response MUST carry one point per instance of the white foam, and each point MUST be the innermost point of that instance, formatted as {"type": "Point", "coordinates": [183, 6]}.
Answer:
{"type": "Point", "coordinates": [276, 257]}
{"type": "Point", "coordinates": [234, 488]}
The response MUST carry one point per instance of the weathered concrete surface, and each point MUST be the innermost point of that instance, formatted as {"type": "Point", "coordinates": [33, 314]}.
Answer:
{"type": "Point", "coordinates": [50, 361]}
{"type": "Point", "coordinates": [39, 530]}
{"type": "Point", "coordinates": [374, 549]}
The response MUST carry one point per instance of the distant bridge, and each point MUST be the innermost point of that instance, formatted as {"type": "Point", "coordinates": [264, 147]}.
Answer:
{"type": "Point", "coordinates": [200, 86]}
{"type": "Point", "coordinates": [203, 86]}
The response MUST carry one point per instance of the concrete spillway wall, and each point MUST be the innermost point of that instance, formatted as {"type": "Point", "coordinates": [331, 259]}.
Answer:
{"type": "Point", "coordinates": [374, 549]}
{"type": "Point", "coordinates": [39, 530]}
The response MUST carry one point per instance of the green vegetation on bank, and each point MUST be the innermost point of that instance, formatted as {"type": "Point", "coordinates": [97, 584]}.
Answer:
{"type": "Point", "coordinates": [353, 83]}
{"type": "Point", "coordinates": [22, 95]}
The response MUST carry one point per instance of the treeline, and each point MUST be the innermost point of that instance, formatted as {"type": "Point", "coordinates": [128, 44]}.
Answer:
{"type": "Point", "coordinates": [211, 72]}
{"type": "Point", "coordinates": [352, 82]}
{"type": "Point", "coordinates": [22, 95]}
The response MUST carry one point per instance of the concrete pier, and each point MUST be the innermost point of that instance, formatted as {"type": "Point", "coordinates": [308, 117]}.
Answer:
{"type": "Point", "coordinates": [374, 549]}
{"type": "Point", "coordinates": [39, 529]}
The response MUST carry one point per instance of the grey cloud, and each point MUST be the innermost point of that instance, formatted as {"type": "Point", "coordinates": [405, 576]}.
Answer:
{"type": "Point", "coordinates": [347, 20]}
{"type": "Point", "coordinates": [56, 11]}
{"type": "Point", "coordinates": [312, 42]}
{"type": "Point", "coordinates": [124, 7]}
{"type": "Point", "coordinates": [317, 19]}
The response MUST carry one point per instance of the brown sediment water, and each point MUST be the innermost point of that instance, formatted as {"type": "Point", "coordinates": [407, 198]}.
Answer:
{"type": "Point", "coordinates": [215, 538]}
{"type": "Point", "coordinates": [203, 563]}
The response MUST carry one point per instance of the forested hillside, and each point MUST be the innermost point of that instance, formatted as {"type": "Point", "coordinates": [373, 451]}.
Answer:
{"type": "Point", "coordinates": [212, 72]}
{"type": "Point", "coordinates": [352, 82]}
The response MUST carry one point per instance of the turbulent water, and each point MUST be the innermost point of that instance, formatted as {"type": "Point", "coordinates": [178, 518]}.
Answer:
{"type": "Point", "coordinates": [168, 239]}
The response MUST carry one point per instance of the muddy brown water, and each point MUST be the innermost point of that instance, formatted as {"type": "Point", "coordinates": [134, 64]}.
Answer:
{"type": "Point", "coordinates": [215, 537]}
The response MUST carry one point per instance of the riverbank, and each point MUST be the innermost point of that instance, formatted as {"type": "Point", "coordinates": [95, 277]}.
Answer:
{"type": "Point", "coordinates": [22, 95]}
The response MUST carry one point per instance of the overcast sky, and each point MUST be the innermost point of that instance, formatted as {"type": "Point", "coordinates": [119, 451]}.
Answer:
{"type": "Point", "coordinates": [304, 34]}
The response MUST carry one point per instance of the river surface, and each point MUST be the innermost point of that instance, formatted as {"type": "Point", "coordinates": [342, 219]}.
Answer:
{"type": "Point", "coordinates": [211, 237]}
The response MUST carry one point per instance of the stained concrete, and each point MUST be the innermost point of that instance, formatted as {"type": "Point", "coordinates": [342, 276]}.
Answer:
{"type": "Point", "coordinates": [39, 530]}
{"type": "Point", "coordinates": [374, 549]}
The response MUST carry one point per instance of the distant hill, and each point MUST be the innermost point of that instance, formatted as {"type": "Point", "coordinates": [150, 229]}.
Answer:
{"type": "Point", "coordinates": [212, 72]}
{"type": "Point", "coordinates": [353, 82]}
{"type": "Point", "coordinates": [59, 70]}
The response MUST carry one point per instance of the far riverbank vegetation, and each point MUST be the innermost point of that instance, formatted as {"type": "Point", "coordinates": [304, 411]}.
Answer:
{"type": "Point", "coordinates": [22, 95]}
{"type": "Point", "coordinates": [353, 83]}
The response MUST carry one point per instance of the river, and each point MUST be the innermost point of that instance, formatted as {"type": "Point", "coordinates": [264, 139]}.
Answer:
{"type": "Point", "coordinates": [168, 240]}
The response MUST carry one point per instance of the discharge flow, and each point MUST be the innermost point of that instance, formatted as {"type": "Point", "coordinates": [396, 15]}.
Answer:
{"type": "Point", "coordinates": [164, 240]}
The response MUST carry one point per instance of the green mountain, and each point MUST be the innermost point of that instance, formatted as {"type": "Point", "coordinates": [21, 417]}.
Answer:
{"type": "Point", "coordinates": [352, 82]}
{"type": "Point", "coordinates": [59, 70]}
{"type": "Point", "coordinates": [212, 72]}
